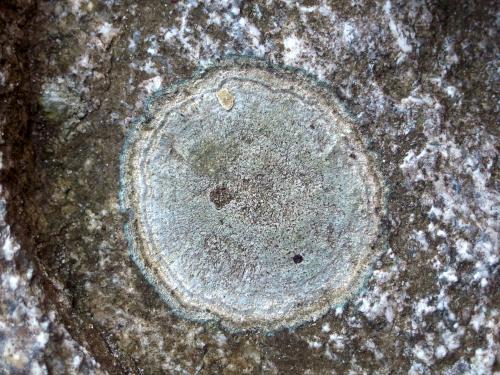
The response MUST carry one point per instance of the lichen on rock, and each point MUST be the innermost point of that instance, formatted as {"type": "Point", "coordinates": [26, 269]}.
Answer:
{"type": "Point", "coordinates": [263, 216]}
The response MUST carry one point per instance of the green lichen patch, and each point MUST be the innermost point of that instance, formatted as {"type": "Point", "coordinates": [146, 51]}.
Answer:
{"type": "Point", "coordinates": [263, 216]}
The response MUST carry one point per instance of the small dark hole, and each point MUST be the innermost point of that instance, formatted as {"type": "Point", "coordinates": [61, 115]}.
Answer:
{"type": "Point", "coordinates": [220, 196]}
{"type": "Point", "coordinates": [352, 156]}
{"type": "Point", "coordinates": [298, 258]}
{"type": "Point", "coordinates": [312, 126]}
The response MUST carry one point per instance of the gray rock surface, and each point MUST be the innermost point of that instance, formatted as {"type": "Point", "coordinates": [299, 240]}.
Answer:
{"type": "Point", "coordinates": [420, 80]}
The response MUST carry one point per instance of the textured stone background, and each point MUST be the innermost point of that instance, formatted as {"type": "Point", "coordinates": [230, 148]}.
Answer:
{"type": "Point", "coordinates": [419, 77]}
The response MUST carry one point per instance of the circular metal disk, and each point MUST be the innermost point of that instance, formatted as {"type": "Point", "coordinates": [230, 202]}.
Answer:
{"type": "Point", "coordinates": [251, 199]}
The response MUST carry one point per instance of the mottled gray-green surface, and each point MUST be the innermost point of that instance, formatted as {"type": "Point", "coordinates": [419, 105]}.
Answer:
{"type": "Point", "coordinates": [418, 78]}
{"type": "Point", "coordinates": [261, 214]}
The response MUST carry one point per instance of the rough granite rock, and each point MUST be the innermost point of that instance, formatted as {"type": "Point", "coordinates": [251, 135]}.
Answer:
{"type": "Point", "coordinates": [420, 80]}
